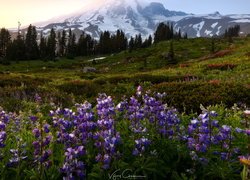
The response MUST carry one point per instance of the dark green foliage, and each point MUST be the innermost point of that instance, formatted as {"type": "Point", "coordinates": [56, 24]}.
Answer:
{"type": "Point", "coordinates": [138, 41]}
{"type": "Point", "coordinates": [16, 50]}
{"type": "Point", "coordinates": [131, 44]}
{"type": "Point", "coordinates": [120, 41]}
{"type": "Point", "coordinates": [43, 47]}
{"type": "Point", "coordinates": [62, 43]}
{"type": "Point", "coordinates": [109, 43]}
{"type": "Point", "coordinates": [104, 45]}
{"type": "Point", "coordinates": [232, 31]}
{"type": "Point", "coordinates": [171, 57]}
{"type": "Point", "coordinates": [166, 32]}
{"type": "Point", "coordinates": [87, 88]}
{"type": "Point", "coordinates": [187, 96]}
{"type": "Point", "coordinates": [85, 45]}
{"type": "Point", "coordinates": [163, 32]}
{"type": "Point", "coordinates": [71, 46]}
{"type": "Point", "coordinates": [147, 42]}
{"type": "Point", "coordinates": [212, 46]}
{"type": "Point", "coordinates": [51, 45]}
{"type": "Point", "coordinates": [4, 41]}
{"type": "Point", "coordinates": [32, 51]}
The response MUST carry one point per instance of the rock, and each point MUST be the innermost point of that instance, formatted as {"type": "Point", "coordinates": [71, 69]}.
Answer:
{"type": "Point", "coordinates": [89, 69]}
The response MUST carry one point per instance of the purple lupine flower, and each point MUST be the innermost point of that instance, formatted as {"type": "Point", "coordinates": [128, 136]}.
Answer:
{"type": "Point", "coordinates": [140, 146]}
{"type": "Point", "coordinates": [38, 98]}
{"type": "Point", "coordinates": [41, 146]}
{"type": "Point", "coordinates": [3, 137]}
{"type": "Point", "coordinates": [106, 138]}
{"type": "Point", "coordinates": [139, 91]}
{"type": "Point", "coordinates": [239, 130]}
{"type": "Point", "coordinates": [46, 128]}
{"type": "Point", "coordinates": [36, 132]}
{"type": "Point", "coordinates": [2, 125]}
{"type": "Point", "coordinates": [33, 118]}
{"type": "Point", "coordinates": [247, 132]}
{"type": "Point", "coordinates": [72, 167]}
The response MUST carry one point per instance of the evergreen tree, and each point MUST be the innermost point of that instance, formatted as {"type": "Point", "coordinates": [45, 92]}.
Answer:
{"type": "Point", "coordinates": [5, 40]}
{"type": "Point", "coordinates": [232, 31]}
{"type": "Point", "coordinates": [32, 50]}
{"type": "Point", "coordinates": [138, 41]}
{"type": "Point", "coordinates": [166, 32]}
{"type": "Point", "coordinates": [16, 50]}
{"type": "Point", "coordinates": [43, 47]}
{"type": "Point", "coordinates": [179, 34]}
{"type": "Point", "coordinates": [171, 33]}
{"type": "Point", "coordinates": [105, 43]}
{"type": "Point", "coordinates": [163, 33]}
{"type": "Point", "coordinates": [51, 45]}
{"type": "Point", "coordinates": [147, 42]}
{"type": "Point", "coordinates": [62, 43]}
{"type": "Point", "coordinates": [131, 44]}
{"type": "Point", "coordinates": [185, 36]}
{"type": "Point", "coordinates": [171, 56]}
{"type": "Point", "coordinates": [119, 41]}
{"type": "Point", "coordinates": [91, 45]}
{"type": "Point", "coordinates": [71, 46]}
{"type": "Point", "coordinates": [150, 40]}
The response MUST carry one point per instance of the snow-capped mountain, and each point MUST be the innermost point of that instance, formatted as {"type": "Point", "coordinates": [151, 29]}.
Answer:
{"type": "Point", "coordinates": [141, 16]}
{"type": "Point", "coordinates": [212, 24]}
{"type": "Point", "coordinates": [133, 17]}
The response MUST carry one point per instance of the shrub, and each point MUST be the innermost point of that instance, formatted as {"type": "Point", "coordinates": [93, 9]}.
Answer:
{"type": "Point", "coordinates": [187, 96]}
{"type": "Point", "coordinates": [224, 66]}
{"type": "Point", "coordinates": [87, 88]}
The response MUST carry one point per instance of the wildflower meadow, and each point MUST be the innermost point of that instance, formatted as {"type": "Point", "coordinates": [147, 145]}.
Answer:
{"type": "Point", "coordinates": [139, 137]}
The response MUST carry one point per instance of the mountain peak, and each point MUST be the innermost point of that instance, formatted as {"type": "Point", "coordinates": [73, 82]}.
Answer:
{"type": "Point", "coordinates": [140, 16]}
{"type": "Point", "coordinates": [216, 13]}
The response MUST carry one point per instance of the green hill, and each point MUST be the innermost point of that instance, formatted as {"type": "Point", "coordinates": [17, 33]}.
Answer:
{"type": "Point", "coordinates": [199, 77]}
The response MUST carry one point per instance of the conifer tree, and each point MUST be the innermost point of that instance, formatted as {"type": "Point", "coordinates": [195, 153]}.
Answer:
{"type": "Point", "coordinates": [5, 40]}
{"type": "Point", "coordinates": [62, 43]}
{"type": "Point", "coordinates": [147, 42]}
{"type": "Point", "coordinates": [16, 50]}
{"type": "Point", "coordinates": [138, 41]}
{"type": "Point", "coordinates": [32, 51]}
{"type": "Point", "coordinates": [51, 45]}
{"type": "Point", "coordinates": [105, 43]}
{"type": "Point", "coordinates": [131, 44]}
{"type": "Point", "coordinates": [71, 46]}
{"type": "Point", "coordinates": [43, 47]}
{"type": "Point", "coordinates": [171, 56]}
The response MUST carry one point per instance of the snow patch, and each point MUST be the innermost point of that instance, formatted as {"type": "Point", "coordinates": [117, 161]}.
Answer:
{"type": "Point", "coordinates": [97, 59]}
{"type": "Point", "coordinates": [198, 28]}
{"type": "Point", "coordinates": [214, 25]}
{"type": "Point", "coordinates": [207, 32]}
{"type": "Point", "coordinates": [218, 32]}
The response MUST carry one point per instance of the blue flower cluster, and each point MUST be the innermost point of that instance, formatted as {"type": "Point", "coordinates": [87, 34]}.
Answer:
{"type": "Point", "coordinates": [106, 137]}
{"type": "Point", "coordinates": [205, 135]}
{"type": "Point", "coordinates": [4, 119]}
{"type": "Point", "coordinates": [88, 135]}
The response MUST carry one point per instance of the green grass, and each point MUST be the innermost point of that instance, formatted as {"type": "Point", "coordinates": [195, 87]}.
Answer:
{"type": "Point", "coordinates": [120, 73]}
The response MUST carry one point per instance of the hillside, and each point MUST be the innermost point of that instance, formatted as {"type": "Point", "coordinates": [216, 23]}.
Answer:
{"type": "Point", "coordinates": [199, 77]}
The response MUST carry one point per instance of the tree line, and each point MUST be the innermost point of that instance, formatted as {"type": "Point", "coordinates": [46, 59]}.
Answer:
{"type": "Point", "coordinates": [232, 31]}
{"type": "Point", "coordinates": [65, 44]}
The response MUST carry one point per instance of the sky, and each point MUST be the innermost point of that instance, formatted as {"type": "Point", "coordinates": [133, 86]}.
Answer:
{"type": "Point", "coordinates": [32, 11]}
